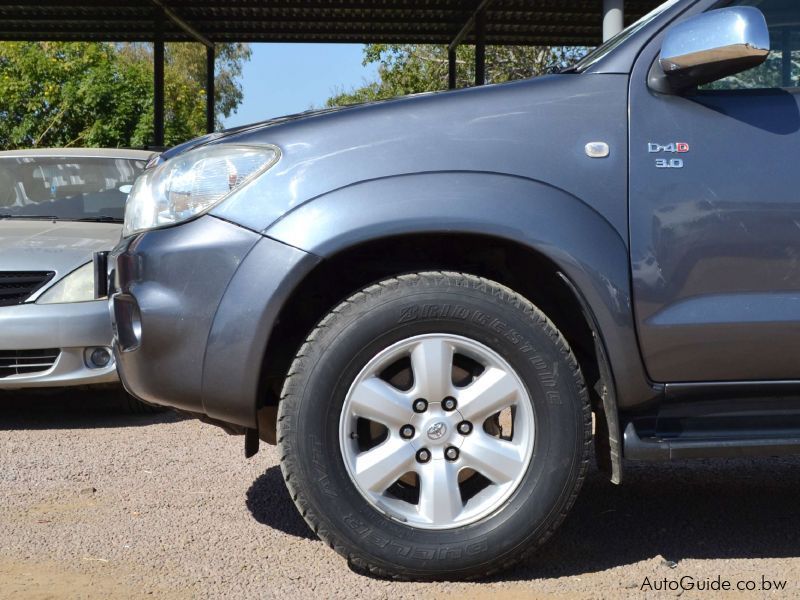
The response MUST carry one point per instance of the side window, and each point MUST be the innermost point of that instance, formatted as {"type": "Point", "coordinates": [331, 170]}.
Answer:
{"type": "Point", "coordinates": [782, 68]}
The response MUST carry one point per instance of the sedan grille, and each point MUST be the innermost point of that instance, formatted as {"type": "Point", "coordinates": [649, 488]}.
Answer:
{"type": "Point", "coordinates": [18, 286]}
{"type": "Point", "coordinates": [23, 362]}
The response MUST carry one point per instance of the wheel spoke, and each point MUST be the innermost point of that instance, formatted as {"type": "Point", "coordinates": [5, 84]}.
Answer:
{"type": "Point", "coordinates": [432, 364]}
{"type": "Point", "coordinates": [415, 417]}
{"type": "Point", "coordinates": [380, 467]}
{"type": "Point", "coordinates": [493, 391]}
{"type": "Point", "coordinates": [439, 495]}
{"type": "Point", "coordinates": [376, 400]}
{"type": "Point", "coordinates": [497, 460]}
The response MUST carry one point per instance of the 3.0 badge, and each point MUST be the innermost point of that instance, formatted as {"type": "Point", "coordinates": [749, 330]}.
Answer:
{"type": "Point", "coordinates": [672, 148]}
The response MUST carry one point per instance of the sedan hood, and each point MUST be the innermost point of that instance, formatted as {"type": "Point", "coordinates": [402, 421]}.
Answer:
{"type": "Point", "coordinates": [60, 246]}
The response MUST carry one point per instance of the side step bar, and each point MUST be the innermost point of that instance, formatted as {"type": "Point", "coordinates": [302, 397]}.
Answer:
{"type": "Point", "coordinates": [665, 449]}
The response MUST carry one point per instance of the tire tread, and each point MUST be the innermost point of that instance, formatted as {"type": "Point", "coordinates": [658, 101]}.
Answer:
{"type": "Point", "coordinates": [358, 562]}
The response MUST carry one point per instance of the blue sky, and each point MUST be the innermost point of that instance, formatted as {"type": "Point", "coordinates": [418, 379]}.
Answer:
{"type": "Point", "coordinates": [282, 79]}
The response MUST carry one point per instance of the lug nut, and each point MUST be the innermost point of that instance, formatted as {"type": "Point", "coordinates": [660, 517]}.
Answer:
{"type": "Point", "coordinates": [465, 428]}
{"type": "Point", "coordinates": [407, 432]}
{"type": "Point", "coordinates": [423, 455]}
{"type": "Point", "coordinates": [451, 453]}
{"type": "Point", "coordinates": [420, 406]}
{"type": "Point", "coordinates": [449, 403]}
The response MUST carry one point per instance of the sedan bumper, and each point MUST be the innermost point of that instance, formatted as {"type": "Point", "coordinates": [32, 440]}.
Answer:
{"type": "Point", "coordinates": [50, 345]}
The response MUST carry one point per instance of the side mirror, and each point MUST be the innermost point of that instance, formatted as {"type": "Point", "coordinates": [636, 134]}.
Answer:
{"type": "Point", "coordinates": [708, 47]}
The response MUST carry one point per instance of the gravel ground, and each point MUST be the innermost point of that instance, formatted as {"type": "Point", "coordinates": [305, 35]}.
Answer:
{"type": "Point", "coordinates": [97, 504]}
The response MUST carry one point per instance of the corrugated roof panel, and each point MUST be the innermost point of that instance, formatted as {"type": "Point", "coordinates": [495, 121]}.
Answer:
{"type": "Point", "coordinates": [533, 22]}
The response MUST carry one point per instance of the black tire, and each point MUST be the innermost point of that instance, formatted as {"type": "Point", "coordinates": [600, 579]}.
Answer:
{"type": "Point", "coordinates": [134, 406]}
{"type": "Point", "coordinates": [349, 337]}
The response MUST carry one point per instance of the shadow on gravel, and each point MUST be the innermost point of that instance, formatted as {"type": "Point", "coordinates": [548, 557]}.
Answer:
{"type": "Point", "coordinates": [269, 502]}
{"type": "Point", "coordinates": [745, 508]}
{"type": "Point", "coordinates": [72, 409]}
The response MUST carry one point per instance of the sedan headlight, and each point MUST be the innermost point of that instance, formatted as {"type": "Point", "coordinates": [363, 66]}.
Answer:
{"type": "Point", "coordinates": [78, 286]}
{"type": "Point", "coordinates": [190, 184]}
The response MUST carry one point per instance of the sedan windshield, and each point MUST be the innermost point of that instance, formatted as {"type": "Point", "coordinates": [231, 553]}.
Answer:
{"type": "Point", "coordinates": [69, 188]}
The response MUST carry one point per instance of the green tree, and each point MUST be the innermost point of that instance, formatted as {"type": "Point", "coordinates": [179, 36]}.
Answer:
{"type": "Point", "coordinates": [188, 60]}
{"type": "Point", "coordinates": [766, 76]}
{"type": "Point", "coordinates": [101, 94]}
{"type": "Point", "coordinates": [228, 65]}
{"type": "Point", "coordinates": [413, 68]}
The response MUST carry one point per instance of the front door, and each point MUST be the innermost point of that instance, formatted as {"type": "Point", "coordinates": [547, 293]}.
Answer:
{"type": "Point", "coordinates": [715, 217]}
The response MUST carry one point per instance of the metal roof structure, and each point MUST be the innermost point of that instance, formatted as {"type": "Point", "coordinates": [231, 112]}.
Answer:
{"type": "Point", "coordinates": [451, 22]}
{"type": "Point", "coordinates": [507, 22]}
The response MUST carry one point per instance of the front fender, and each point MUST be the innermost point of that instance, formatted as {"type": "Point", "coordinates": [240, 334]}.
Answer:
{"type": "Point", "coordinates": [584, 245]}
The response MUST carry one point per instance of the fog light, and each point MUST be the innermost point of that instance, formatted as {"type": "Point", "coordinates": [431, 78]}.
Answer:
{"type": "Point", "coordinates": [99, 357]}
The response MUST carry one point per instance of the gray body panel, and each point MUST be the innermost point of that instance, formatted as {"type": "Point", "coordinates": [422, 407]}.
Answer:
{"type": "Point", "coordinates": [531, 213]}
{"type": "Point", "coordinates": [178, 288]}
{"type": "Point", "coordinates": [241, 329]}
{"type": "Point", "coordinates": [535, 129]}
{"type": "Point", "coordinates": [715, 245]}
{"type": "Point", "coordinates": [506, 162]}
{"type": "Point", "coordinates": [205, 328]}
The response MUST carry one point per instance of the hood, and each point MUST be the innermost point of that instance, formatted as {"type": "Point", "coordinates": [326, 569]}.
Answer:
{"type": "Point", "coordinates": [218, 135]}
{"type": "Point", "coordinates": [535, 129]}
{"type": "Point", "coordinates": [60, 246]}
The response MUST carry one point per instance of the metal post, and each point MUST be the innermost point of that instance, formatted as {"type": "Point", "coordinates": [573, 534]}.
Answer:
{"type": "Point", "coordinates": [480, 48]}
{"type": "Point", "coordinates": [210, 112]}
{"type": "Point", "coordinates": [451, 69]}
{"type": "Point", "coordinates": [158, 80]}
{"type": "Point", "coordinates": [613, 18]}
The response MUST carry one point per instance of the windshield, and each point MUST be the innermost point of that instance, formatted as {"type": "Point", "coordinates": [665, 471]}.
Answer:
{"type": "Point", "coordinates": [66, 187]}
{"type": "Point", "coordinates": [602, 51]}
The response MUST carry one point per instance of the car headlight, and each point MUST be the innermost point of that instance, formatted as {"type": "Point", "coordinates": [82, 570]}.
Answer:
{"type": "Point", "coordinates": [78, 286]}
{"type": "Point", "coordinates": [190, 184]}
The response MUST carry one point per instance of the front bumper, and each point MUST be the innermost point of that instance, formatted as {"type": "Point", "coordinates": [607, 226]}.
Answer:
{"type": "Point", "coordinates": [192, 310]}
{"type": "Point", "coordinates": [69, 329]}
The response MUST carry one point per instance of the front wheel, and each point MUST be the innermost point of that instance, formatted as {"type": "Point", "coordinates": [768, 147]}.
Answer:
{"type": "Point", "coordinates": [434, 426]}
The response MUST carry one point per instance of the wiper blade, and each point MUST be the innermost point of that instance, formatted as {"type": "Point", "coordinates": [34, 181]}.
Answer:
{"type": "Point", "coordinates": [14, 216]}
{"type": "Point", "coordinates": [100, 219]}
{"type": "Point", "coordinates": [560, 69]}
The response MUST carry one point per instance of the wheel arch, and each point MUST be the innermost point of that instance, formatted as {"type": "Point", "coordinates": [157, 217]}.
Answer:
{"type": "Point", "coordinates": [518, 232]}
{"type": "Point", "coordinates": [499, 260]}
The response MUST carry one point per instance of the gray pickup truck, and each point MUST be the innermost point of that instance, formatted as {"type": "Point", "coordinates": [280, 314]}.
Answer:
{"type": "Point", "coordinates": [436, 305]}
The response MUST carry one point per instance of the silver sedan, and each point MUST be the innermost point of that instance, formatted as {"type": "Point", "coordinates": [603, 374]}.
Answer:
{"type": "Point", "coordinates": [58, 207]}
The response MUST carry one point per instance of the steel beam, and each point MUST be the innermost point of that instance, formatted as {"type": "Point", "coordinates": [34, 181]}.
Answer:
{"type": "Point", "coordinates": [480, 48]}
{"type": "Point", "coordinates": [613, 18]}
{"type": "Point", "coordinates": [470, 24]}
{"type": "Point", "coordinates": [183, 24]}
{"type": "Point", "coordinates": [210, 93]}
{"type": "Point", "coordinates": [158, 80]}
{"type": "Point", "coordinates": [452, 71]}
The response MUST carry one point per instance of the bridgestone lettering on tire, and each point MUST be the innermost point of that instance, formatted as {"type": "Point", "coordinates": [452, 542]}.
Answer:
{"type": "Point", "coordinates": [434, 426]}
